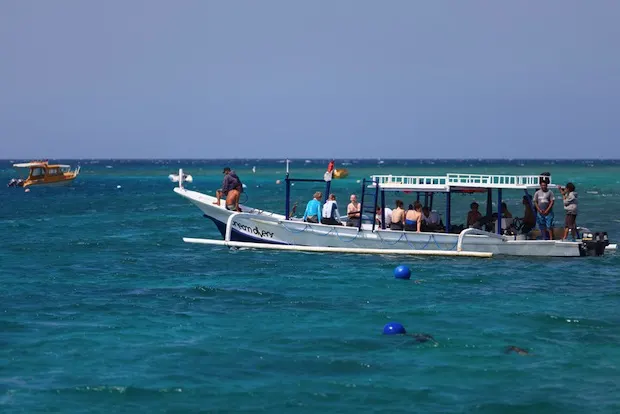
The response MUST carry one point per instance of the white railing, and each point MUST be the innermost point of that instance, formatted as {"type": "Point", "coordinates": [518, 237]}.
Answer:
{"type": "Point", "coordinates": [456, 180]}
{"type": "Point", "coordinates": [486, 180]}
{"type": "Point", "coordinates": [410, 181]}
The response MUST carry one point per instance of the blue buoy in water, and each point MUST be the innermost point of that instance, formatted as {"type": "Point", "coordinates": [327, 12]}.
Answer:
{"type": "Point", "coordinates": [394, 328]}
{"type": "Point", "coordinates": [402, 272]}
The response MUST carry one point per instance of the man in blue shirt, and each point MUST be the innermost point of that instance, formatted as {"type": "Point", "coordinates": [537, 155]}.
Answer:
{"type": "Point", "coordinates": [313, 209]}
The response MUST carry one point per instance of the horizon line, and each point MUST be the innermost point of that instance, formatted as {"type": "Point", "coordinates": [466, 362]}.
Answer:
{"type": "Point", "coordinates": [312, 159]}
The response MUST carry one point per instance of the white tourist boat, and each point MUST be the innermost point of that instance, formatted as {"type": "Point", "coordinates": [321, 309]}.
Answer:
{"type": "Point", "coordinates": [257, 228]}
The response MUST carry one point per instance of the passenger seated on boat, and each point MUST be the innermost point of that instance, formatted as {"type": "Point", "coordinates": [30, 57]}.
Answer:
{"type": "Point", "coordinates": [353, 212]}
{"type": "Point", "coordinates": [529, 217]}
{"type": "Point", "coordinates": [457, 228]}
{"type": "Point", "coordinates": [525, 224]}
{"type": "Point", "coordinates": [430, 220]}
{"type": "Point", "coordinates": [486, 223]}
{"type": "Point", "coordinates": [388, 217]}
{"type": "Point", "coordinates": [506, 222]}
{"type": "Point", "coordinates": [474, 215]}
{"type": "Point", "coordinates": [313, 209]}
{"type": "Point", "coordinates": [413, 217]}
{"type": "Point", "coordinates": [507, 225]}
{"type": "Point", "coordinates": [505, 212]}
{"type": "Point", "coordinates": [398, 217]}
{"type": "Point", "coordinates": [331, 215]}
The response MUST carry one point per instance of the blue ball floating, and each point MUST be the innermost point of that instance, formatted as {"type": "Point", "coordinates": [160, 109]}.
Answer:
{"type": "Point", "coordinates": [402, 272]}
{"type": "Point", "coordinates": [394, 328]}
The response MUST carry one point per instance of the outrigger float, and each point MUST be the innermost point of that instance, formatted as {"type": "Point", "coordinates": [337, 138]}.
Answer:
{"type": "Point", "coordinates": [255, 228]}
{"type": "Point", "coordinates": [44, 173]}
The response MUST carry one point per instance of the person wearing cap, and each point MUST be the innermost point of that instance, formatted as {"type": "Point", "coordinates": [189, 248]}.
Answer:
{"type": "Point", "coordinates": [231, 189]}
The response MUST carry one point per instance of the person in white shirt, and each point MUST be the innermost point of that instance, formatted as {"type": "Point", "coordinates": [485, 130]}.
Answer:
{"type": "Point", "coordinates": [431, 220]}
{"type": "Point", "coordinates": [430, 217]}
{"type": "Point", "coordinates": [330, 212]}
{"type": "Point", "coordinates": [388, 217]}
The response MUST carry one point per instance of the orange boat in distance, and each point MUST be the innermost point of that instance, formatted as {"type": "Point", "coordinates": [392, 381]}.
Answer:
{"type": "Point", "coordinates": [341, 173]}
{"type": "Point", "coordinates": [332, 172]}
{"type": "Point", "coordinates": [44, 173]}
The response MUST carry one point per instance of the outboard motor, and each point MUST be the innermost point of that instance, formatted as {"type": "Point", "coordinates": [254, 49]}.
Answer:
{"type": "Point", "coordinates": [593, 244]}
{"type": "Point", "coordinates": [15, 182]}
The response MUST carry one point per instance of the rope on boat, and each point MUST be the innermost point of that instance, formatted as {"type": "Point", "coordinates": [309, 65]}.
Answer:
{"type": "Point", "coordinates": [455, 244]}
{"type": "Point", "coordinates": [347, 241]}
{"type": "Point", "coordinates": [309, 228]}
{"type": "Point", "coordinates": [390, 244]}
{"type": "Point", "coordinates": [413, 245]}
{"type": "Point", "coordinates": [295, 231]}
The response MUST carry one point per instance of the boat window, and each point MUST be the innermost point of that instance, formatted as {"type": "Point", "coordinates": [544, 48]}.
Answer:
{"type": "Point", "coordinates": [53, 171]}
{"type": "Point", "coordinates": [36, 172]}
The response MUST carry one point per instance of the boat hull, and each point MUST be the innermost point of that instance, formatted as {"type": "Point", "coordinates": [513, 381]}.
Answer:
{"type": "Point", "coordinates": [50, 184]}
{"type": "Point", "coordinates": [259, 226]}
{"type": "Point", "coordinates": [51, 181]}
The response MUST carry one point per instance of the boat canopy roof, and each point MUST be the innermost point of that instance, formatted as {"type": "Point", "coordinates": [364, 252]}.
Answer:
{"type": "Point", "coordinates": [454, 182]}
{"type": "Point", "coordinates": [42, 164]}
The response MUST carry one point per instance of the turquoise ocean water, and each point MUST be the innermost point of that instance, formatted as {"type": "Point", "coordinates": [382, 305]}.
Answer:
{"type": "Point", "coordinates": [104, 309]}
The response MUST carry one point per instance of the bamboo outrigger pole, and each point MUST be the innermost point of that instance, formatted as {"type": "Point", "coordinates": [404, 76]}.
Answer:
{"type": "Point", "coordinates": [325, 249]}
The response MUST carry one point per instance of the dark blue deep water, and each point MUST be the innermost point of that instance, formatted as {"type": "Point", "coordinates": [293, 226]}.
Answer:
{"type": "Point", "coordinates": [104, 309]}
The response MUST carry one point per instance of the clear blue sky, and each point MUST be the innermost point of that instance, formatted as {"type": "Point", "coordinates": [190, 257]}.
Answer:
{"type": "Point", "coordinates": [304, 79]}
